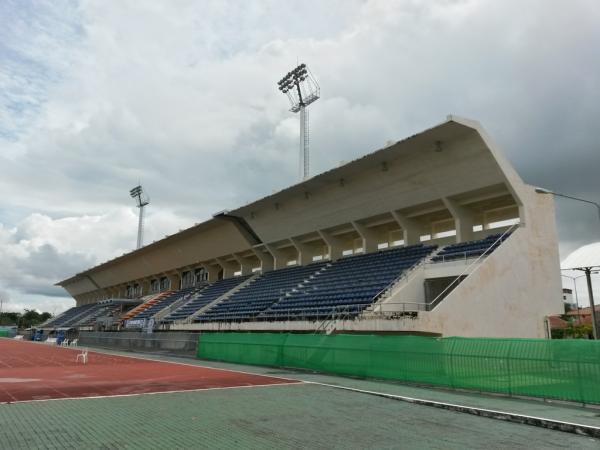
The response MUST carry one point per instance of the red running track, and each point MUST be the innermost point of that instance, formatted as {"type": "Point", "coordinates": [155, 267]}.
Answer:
{"type": "Point", "coordinates": [36, 371]}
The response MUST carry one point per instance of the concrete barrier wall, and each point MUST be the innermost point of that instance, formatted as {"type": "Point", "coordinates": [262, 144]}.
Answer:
{"type": "Point", "coordinates": [180, 343]}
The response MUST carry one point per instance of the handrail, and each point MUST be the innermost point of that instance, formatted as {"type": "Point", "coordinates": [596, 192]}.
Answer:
{"type": "Point", "coordinates": [404, 275]}
{"type": "Point", "coordinates": [225, 295]}
{"type": "Point", "coordinates": [326, 314]}
{"type": "Point", "coordinates": [441, 295]}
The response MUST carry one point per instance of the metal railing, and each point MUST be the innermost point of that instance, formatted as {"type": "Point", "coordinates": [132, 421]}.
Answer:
{"type": "Point", "coordinates": [467, 255]}
{"type": "Point", "coordinates": [224, 296]}
{"type": "Point", "coordinates": [169, 342]}
{"type": "Point", "coordinates": [356, 311]}
{"type": "Point", "coordinates": [456, 257]}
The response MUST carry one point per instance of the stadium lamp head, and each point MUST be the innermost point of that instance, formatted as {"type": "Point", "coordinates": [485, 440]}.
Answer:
{"type": "Point", "coordinates": [540, 190]}
{"type": "Point", "coordinates": [300, 87]}
{"type": "Point", "coordinates": [136, 191]}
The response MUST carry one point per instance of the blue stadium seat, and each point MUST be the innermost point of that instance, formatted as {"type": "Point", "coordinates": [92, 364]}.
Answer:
{"type": "Point", "coordinates": [72, 315]}
{"type": "Point", "coordinates": [347, 286]}
{"type": "Point", "coordinates": [166, 301]}
{"type": "Point", "coordinates": [204, 297]}
{"type": "Point", "coordinates": [259, 295]}
{"type": "Point", "coordinates": [319, 289]}
{"type": "Point", "coordinates": [470, 249]}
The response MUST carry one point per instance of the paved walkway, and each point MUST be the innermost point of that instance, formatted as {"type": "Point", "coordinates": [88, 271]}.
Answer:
{"type": "Point", "coordinates": [555, 410]}
{"type": "Point", "coordinates": [316, 414]}
{"type": "Point", "coordinates": [551, 410]}
{"type": "Point", "coordinates": [273, 417]}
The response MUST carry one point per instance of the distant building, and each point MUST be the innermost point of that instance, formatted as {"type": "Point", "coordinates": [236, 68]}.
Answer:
{"type": "Point", "coordinates": [584, 315]}
{"type": "Point", "coordinates": [556, 323]}
{"type": "Point", "coordinates": [567, 295]}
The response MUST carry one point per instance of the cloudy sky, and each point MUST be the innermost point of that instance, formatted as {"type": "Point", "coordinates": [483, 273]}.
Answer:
{"type": "Point", "coordinates": [180, 95]}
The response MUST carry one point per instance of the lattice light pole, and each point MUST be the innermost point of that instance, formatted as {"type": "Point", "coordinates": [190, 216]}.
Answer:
{"type": "Point", "coordinates": [301, 89]}
{"type": "Point", "coordinates": [142, 200]}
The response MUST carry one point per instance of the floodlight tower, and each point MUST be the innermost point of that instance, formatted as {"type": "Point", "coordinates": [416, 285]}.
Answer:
{"type": "Point", "coordinates": [301, 89]}
{"type": "Point", "coordinates": [142, 200]}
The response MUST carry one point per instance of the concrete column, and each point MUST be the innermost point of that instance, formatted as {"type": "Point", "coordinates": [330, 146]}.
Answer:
{"type": "Point", "coordinates": [369, 238]}
{"type": "Point", "coordinates": [464, 219]}
{"type": "Point", "coordinates": [175, 280]}
{"type": "Point", "coordinates": [245, 264]}
{"type": "Point", "coordinates": [412, 230]}
{"type": "Point", "coordinates": [145, 283]}
{"type": "Point", "coordinates": [213, 272]}
{"type": "Point", "coordinates": [305, 253]}
{"type": "Point", "coordinates": [228, 268]}
{"type": "Point", "coordinates": [279, 260]}
{"type": "Point", "coordinates": [334, 243]}
{"type": "Point", "coordinates": [267, 261]}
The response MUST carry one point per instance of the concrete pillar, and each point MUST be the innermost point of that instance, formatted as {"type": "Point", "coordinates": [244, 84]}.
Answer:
{"type": "Point", "coordinates": [213, 272]}
{"type": "Point", "coordinates": [368, 237]}
{"type": "Point", "coordinates": [245, 264]}
{"type": "Point", "coordinates": [175, 280]}
{"type": "Point", "coordinates": [412, 230]}
{"type": "Point", "coordinates": [304, 252]}
{"type": "Point", "coordinates": [182, 271]}
{"type": "Point", "coordinates": [334, 243]}
{"type": "Point", "coordinates": [266, 259]}
{"type": "Point", "coordinates": [145, 283]}
{"type": "Point", "coordinates": [464, 219]}
{"type": "Point", "coordinates": [228, 267]}
{"type": "Point", "coordinates": [279, 259]}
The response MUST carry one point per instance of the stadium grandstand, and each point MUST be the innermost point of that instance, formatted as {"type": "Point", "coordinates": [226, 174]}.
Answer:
{"type": "Point", "coordinates": [435, 234]}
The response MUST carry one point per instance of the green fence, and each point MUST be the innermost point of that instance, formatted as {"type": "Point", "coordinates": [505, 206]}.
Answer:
{"type": "Point", "coordinates": [3, 333]}
{"type": "Point", "coordinates": [560, 369]}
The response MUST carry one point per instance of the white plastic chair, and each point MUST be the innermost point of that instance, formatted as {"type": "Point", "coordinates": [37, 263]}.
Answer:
{"type": "Point", "coordinates": [65, 343]}
{"type": "Point", "coordinates": [83, 356]}
{"type": "Point", "coordinates": [73, 342]}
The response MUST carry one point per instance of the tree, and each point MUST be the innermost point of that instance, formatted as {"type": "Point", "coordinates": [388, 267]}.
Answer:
{"type": "Point", "coordinates": [10, 318]}
{"type": "Point", "coordinates": [29, 318]}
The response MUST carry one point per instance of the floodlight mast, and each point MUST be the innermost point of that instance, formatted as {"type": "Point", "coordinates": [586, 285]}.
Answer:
{"type": "Point", "coordinates": [301, 89]}
{"type": "Point", "coordinates": [142, 200]}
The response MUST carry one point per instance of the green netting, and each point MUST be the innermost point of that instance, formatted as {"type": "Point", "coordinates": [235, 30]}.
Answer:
{"type": "Point", "coordinates": [561, 369]}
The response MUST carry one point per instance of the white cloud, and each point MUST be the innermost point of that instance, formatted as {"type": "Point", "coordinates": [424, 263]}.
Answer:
{"type": "Point", "coordinates": [181, 96]}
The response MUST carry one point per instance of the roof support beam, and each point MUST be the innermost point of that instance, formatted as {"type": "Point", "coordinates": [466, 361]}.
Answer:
{"type": "Point", "coordinates": [412, 230]}
{"type": "Point", "coordinates": [212, 270]}
{"type": "Point", "coordinates": [304, 252]}
{"type": "Point", "coordinates": [266, 258]}
{"type": "Point", "coordinates": [245, 264]}
{"type": "Point", "coordinates": [334, 243]}
{"type": "Point", "coordinates": [464, 219]}
{"type": "Point", "coordinates": [228, 267]}
{"type": "Point", "coordinates": [368, 237]}
{"type": "Point", "coordinates": [279, 259]}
